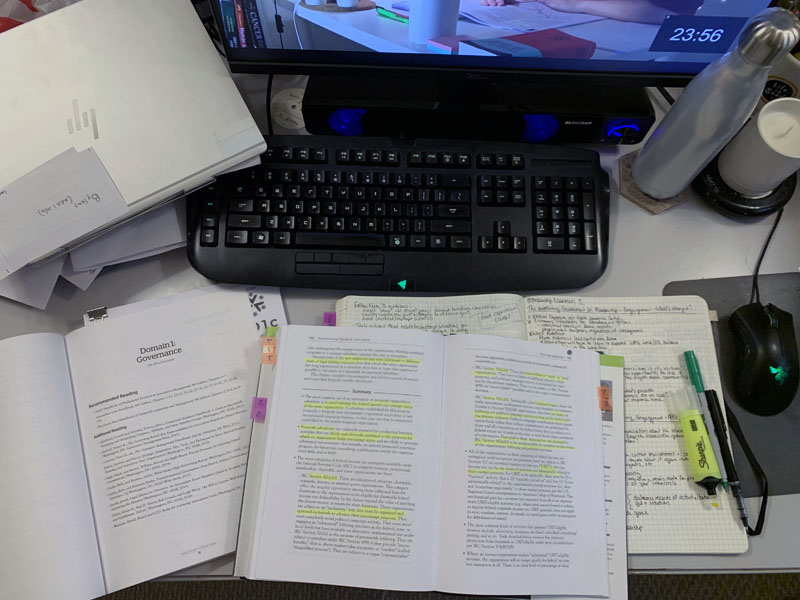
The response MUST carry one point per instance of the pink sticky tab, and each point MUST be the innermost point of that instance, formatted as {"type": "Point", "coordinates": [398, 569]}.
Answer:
{"type": "Point", "coordinates": [258, 412]}
{"type": "Point", "coordinates": [329, 319]}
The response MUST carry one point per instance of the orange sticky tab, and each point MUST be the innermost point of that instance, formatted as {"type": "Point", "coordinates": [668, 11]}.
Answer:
{"type": "Point", "coordinates": [604, 397]}
{"type": "Point", "coordinates": [268, 351]}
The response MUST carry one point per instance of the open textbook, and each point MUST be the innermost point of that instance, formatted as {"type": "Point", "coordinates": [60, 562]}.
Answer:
{"type": "Point", "coordinates": [665, 509]}
{"type": "Point", "coordinates": [410, 460]}
{"type": "Point", "coordinates": [124, 447]}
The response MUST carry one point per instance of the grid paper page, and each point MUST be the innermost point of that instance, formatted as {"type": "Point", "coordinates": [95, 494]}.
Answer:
{"type": "Point", "coordinates": [667, 512]}
{"type": "Point", "coordinates": [490, 314]}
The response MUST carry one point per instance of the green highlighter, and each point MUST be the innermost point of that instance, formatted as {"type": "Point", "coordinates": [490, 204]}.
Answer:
{"type": "Point", "coordinates": [702, 462]}
{"type": "Point", "coordinates": [390, 14]}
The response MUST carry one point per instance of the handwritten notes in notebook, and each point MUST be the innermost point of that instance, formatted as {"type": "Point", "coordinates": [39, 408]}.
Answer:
{"type": "Point", "coordinates": [493, 314]}
{"type": "Point", "coordinates": [57, 203]}
{"type": "Point", "coordinates": [666, 512]}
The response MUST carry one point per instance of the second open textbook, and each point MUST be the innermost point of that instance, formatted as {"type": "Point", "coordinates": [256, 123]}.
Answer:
{"type": "Point", "coordinates": [409, 460]}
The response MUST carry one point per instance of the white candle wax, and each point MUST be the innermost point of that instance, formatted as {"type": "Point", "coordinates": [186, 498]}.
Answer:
{"type": "Point", "coordinates": [781, 131]}
{"type": "Point", "coordinates": [765, 152]}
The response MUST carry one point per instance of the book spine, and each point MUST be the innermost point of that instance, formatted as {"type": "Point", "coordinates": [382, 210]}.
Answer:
{"type": "Point", "coordinates": [254, 28]}
{"type": "Point", "coordinates": [240, 23]}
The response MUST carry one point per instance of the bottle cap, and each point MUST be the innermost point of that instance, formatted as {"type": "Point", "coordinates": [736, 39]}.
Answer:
{"type": "Point", "coordinates": [769, 36]}
{"type": "Point", "coordinates": [681, 400]}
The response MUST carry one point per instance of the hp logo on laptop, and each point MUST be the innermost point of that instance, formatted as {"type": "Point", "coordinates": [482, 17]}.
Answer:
{"type": "Point", "coordinates": [81, 120]}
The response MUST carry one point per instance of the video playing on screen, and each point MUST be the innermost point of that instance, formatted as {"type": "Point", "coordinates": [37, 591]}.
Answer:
{"type": "Point", "coordinates": [672, 31]}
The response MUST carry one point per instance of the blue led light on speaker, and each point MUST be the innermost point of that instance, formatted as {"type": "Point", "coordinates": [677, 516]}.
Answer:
{"type": "Point", "coordinates": [539, 128]}
{"type": "Point", "coordinates": [618, 128]}
{"type": "Point", "coordinates": [347, 121]}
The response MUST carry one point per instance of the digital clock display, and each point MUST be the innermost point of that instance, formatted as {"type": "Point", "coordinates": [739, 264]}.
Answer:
{"type": "Point", "coordinates": [682, 33]}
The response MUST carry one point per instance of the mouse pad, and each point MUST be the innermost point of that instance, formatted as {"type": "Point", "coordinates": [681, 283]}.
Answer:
{"type": "Point", "coordinates": [775, 440]}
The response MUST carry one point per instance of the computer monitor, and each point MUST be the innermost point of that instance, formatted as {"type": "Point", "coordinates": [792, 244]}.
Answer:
{"type": "Point", "coordinates": [649, 41]}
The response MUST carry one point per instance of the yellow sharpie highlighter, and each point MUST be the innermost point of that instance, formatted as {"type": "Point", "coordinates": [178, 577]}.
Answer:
{"type": "Point", "coordinates": [702, 462]}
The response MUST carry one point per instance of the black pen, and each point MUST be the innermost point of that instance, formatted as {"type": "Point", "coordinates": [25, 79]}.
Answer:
{"type": "Point", "coordinates": [715, 410]}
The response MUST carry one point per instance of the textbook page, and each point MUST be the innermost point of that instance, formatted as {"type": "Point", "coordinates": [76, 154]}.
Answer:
{"type": "Point", "coordinates": [667, 512]}
{"type": "Point", "coordinates": [352, 459]}
{"type": "Point", "coordinates": [612, 413]}
{"type": "Point", "coordinates": [491, 314]}
{"type": "Point", "coordinates": [163, 402]}
{"type": "Point", "coordinates": [522, 499]}
{"type": "Point", "coordinates": [49, 547]}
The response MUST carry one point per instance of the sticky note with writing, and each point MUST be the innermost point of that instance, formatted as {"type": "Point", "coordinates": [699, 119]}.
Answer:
{"type": "Point", "coordinates": [54, 205]}
{"type": "Point", "coordinates": [258, 411]}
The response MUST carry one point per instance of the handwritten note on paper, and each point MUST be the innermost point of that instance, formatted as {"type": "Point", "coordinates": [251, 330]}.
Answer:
{"type": "Point", "coordinates": [492, 314]}
{"type": "Point", "coordinates": [57, 203]}
{"type": "Point", "coordinates": [666, 512]}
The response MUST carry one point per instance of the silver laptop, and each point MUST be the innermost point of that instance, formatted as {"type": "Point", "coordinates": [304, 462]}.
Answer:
{"type": "Point", "coordinates": [139, 81]}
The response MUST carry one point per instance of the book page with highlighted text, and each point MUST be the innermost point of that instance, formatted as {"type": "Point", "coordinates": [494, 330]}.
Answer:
{"type": "Point", "coordinates": [349, 487]}
{"type": "Point", "coordinates": [521, 508]}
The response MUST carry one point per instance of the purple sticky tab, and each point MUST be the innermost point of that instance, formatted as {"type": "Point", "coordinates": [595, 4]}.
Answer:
{"type": "Point", "coordinates": [258, 412]}
{"type": "Point", "coordinates": [329, 319]}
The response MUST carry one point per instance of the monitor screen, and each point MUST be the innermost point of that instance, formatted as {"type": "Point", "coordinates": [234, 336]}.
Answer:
{"type": "Point", "coordinates": [628, 37]}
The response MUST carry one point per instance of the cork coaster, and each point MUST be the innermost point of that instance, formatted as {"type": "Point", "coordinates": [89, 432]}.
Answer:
{"type": "Point", "coordinates": [629, 190]}
{"type": "Point", "coordinates": [335, 8]}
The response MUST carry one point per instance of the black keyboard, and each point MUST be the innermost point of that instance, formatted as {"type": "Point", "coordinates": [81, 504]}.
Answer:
{"type": "Point", "coordinates": [430, 216]}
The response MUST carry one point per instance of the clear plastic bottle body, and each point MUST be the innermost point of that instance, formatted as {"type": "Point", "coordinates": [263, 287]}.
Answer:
{"type": "Point", "coordinates": [712, 108]}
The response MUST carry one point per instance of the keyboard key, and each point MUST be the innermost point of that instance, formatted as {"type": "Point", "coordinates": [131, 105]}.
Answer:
{"type": "Point", "coordinates": [241, 205]}
{"type": "Point", "coordinates": [244, 221]}
{"type": "Point", "coordinates": [392, 158]}
{"type": "Point", "coordinates": [555, 183]}
{"type": "Point", "coordinates": [450, 226]}
{"type": "Point", "coordinates": [375, 156]}
{"type": "Point", "coordinates": [460, 242]}
{"type": "Point", "coordinates": [550, 243]}
{"type": "Point", "coordinates": [503, 243]}
{"type": "Point", "coordinates": [361, 269]}
{"type": "Point", "coordinates": [463, 160]}
{"type": "Point", "coordinates": [455, 181]}
{"type": "Point", "coordinates": [590, 237]}
{"type": "Point", "coordinates": [397, 240]}
{"type": "Point", "coordinates": [317, 269]}
{"type": "Point", "coordinates": [485, 161]}
{"type": "Point", "coordinates": [236, 238]}
{"type": "Point", "coordinates": [283, 238]}
{"type": "Point", "coordinates": [587, 183]}
{"type": "Point", "coordinates": [342, 157]}
{"type": "Point", "coordinates": [517, 161]}
{"type": "Point", "coordinates": [453, 211]}
{"type": "Point", "coordinates": [431, 159]}
{"type": "Point", "coordinates": [208, 237]}
{"type": "Point", "coordinates": [272, 221]}
{"type": "Point", "coordinates": [319, 155]}
{"type": "Point", "coordinates": [287, 223]}
{"type": "Point", "coordinates": [438, 242]}
{"type": "Point", "coordinates": [573, 228]}
{"type": "Point", "coordinates": [341, 240]}
{"type": "Point", "coordinates": [414, 159]}
{"type": "Point", "coordinates": [360, 156]}
{"type": "Point", "coordinates": [540, 183]}
{"type": "Point", "coordinates": [519, 244]}
{"type": "Point", "coordinates": [574, 244]}
{"type": "Point", "coordinates": [209, 221]}
{"type": "Point", "coordinates": [588, 206]}
{"type": "Point", "coordinates": [518, 198]}
{"type": "Point", "coordinates": [485, 243]}
{"type": "Point", "coordinates": [502, 227]}
{"type": "Point", "coordinates": [303, 154]}
{"type": "Point", "coordinates": [501, 161]}
{"type": "Point", "coordinates": [261, 238]}
{"type": "Point", "coordinates": [571, 183]}
{"type": "Point", "coordinates": [486, 181]}
{"type": "Point", "coordinates": [459, 196]}
{"type": "Point", "coordinates": [417, 241]}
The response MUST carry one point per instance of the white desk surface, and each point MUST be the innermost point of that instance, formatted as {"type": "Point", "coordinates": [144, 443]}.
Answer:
{"type": "Point", "coordinates": [690, 241]}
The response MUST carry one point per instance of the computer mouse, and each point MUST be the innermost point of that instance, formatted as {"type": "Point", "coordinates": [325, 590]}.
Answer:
{"type": "Point", "coordinates": [766, 375]}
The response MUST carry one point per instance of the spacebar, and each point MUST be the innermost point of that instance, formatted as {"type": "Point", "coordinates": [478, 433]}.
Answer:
{"type": "Point", "coordinates": [342, 240]}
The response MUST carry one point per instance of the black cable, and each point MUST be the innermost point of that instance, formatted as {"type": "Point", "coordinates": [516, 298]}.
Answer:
{"type": "Point", "coordinates": [269, 107]}
{"type": "Point", "coordinates": [754, 292]}
{"type": "Point", "coordinates": [733, 423]}
{"type": "Point", "coordinates": [278, 22]}
{"type": "Point", "coordinates": [667, 96]}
